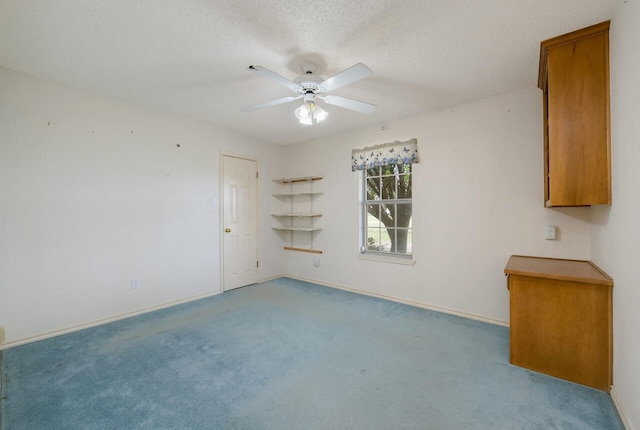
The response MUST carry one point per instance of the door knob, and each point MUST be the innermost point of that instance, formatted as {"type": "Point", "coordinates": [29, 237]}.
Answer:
{"type": "Point", "coordinates": [227, 230]}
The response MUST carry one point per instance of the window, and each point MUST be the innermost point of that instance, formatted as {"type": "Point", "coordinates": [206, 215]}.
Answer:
{"type": "Point", "coordinates": [386, 210]}
{"type": "Point", "coordinates": [386, 199]}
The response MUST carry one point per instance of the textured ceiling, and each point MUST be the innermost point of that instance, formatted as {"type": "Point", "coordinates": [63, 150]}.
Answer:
{"type": "Point", "coordinates": [190, 56]}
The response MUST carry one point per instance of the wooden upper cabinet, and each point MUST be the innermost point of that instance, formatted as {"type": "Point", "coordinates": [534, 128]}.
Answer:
{"type": "Point", "coordinates": [574, 77]}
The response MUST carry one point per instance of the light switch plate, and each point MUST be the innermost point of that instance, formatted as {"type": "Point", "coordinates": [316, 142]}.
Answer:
{"type": "Point", "coordinates": [550, 232]}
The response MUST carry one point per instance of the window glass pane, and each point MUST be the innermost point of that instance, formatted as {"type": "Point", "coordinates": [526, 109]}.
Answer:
{"type": "Point", "coordinates": [388, 187]}
{"type": "Point", "coordinates": [373, 212]}
{"type": "Point", "coordinates": [373, 188]}
{"type": "Point", "coordinates": [389, 239]}
{"type": "Point", "coordinates": [389, 213]}
{"type": "Point", "coordinates": [373, 239]}
{"type": "Point", "coordinates": [403, 215]}
{"type": "Point", "coordinates": [375, 171]}
{"type": "Point", "coordinates": [403, 241]}
{"type": "Point", "coordinates": [404, 185]}
{"type": "Point", "coordinates": [388, 170]}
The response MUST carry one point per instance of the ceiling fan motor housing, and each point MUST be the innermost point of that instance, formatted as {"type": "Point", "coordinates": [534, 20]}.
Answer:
{"type": "Point", "coordinates": [309, 99]}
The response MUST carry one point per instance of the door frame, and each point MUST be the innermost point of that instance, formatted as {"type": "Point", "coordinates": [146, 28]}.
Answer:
{"type": "Point", "coordinates": [221, 201]}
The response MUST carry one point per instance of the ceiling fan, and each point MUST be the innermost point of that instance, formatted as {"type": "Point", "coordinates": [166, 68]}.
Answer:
{"type": "Point", "coordinates": [309, 87]}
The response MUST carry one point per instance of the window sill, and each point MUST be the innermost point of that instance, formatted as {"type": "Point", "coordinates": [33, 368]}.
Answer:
{"type": "Point", "coordinates": [388, 259]}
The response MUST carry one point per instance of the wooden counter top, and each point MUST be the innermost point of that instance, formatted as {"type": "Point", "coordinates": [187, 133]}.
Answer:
{"type": "Point", "coordinates": [558, 269]}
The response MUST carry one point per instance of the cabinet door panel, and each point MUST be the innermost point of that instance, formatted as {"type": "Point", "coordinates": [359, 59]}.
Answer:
{"type": "Point", "coordinates": [562, 329]}
{"type": "Point", "coordinates": [578, 122]}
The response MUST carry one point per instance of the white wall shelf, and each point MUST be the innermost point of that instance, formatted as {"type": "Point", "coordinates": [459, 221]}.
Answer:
{"type": "Point", "coordinates": [296, 228]}
{"type": "Point", "coordinates": [297, 221]}
{"type": "Point", "coordinates": [298, 215]}
{"type": "Point", "coordinates": [297, 194]}
{"type": "Point", "coordinates": [298, 179]}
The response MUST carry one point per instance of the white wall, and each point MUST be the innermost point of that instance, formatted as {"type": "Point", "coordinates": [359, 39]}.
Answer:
{"type": "Point", "coordinates": [94, 192]}
{"type": "Point", "coordinates": [85, 204]}
{"type": "Point", "coordinates": [616, 229]}
{"type": "Point", "coordinates": [478, 198]}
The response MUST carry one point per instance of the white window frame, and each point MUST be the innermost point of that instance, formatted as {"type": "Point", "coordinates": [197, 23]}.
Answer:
{"type": "Point", "coordinates": [366, 254]}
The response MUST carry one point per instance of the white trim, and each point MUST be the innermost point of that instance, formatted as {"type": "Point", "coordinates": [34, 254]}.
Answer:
{"type": "Point", "coordinates": [406, 302]}
{"type": "Point", "coordinates": [105, 321]}
{"type": "Point", "coordinates": [118, 317]}
{"type": "Point", "coordinates": [618, 404]}
{"type": "Point", "coordinates": [362, 223]}
{"type": "Point", "coordinates": [387, 259]}
{"type": "Point", "coordinates": [274, 277]}
{"type": "Point", "coordinates": [224, 154]}
{"type": "Point", "coordinates": [614, 394]}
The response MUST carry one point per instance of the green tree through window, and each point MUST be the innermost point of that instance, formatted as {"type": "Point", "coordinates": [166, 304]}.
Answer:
{"type": "Point", "coordinates": [387, 208]}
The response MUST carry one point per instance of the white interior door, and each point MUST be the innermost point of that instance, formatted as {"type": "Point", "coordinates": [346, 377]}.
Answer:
{"type": "Point", "coordinates": [240, 226]}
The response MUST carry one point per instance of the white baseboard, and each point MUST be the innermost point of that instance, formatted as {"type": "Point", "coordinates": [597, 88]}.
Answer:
{"type": "Point", "coordinates": [614, 394]}
{"type": "Point", "coordinates": [178, 302]}
{"type": "Point", "coordinates": [67, 330]}
{"type": "Point", "coordinates": [271, 278]}
{"type": "Point", "coordinates": [104, 321]}
{"type": "Point", "coordinates": [620, 408]}
{"type": "Point", "coordinates": [405, 302]}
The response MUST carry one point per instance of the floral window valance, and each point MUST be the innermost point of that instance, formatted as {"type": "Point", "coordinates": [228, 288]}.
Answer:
{"type": "Point", "coordinates": [385, 154]}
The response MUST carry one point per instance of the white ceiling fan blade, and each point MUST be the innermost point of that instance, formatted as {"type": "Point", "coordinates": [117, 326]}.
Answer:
{"type": "Point", "coordinates": [358, 106]}
{"type": "Point", "coordinates": [276, 77]}
{"type": "Point", "coordinates": [346, 77]}
{"type": "Point", "coordinates": [271, 103]}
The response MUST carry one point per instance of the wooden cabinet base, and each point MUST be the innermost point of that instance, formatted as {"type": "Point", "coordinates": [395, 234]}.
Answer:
{"type": "Point", "coordinates": [561, 319]}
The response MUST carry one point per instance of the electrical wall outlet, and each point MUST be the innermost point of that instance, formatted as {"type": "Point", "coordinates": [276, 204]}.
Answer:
{"type": "Point", "coordinates": [135, 283]}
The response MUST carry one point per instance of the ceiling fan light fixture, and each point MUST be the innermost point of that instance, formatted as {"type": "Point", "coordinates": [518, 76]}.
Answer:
{"type": "Point", "coordinates": [309, 112]}
{"type": "Point", "coordinates": [320, 114]}
{"type": "Point", "coordinates": [304, 114]}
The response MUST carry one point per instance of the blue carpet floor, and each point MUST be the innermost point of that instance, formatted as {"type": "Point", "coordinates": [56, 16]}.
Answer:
{"type": "Point", "coordinates": [288, 355]}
